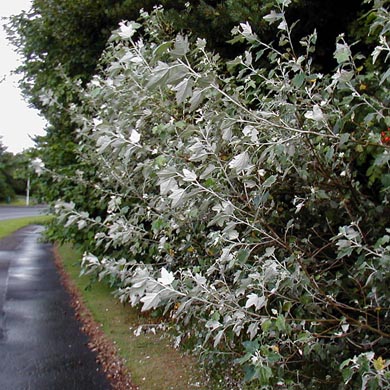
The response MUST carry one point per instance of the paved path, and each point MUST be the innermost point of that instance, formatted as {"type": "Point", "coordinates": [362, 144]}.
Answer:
{"type": "Point", "coordinates": [11, 212]}
{"type": "Point", "coordinates": [41, 346]}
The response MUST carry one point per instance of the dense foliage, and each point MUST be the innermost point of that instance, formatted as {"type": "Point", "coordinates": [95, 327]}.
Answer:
{"type": "Point", "coordinates": [246, 200]}
{"type": "Point", "coordinates": [247, 203]}
{"type": "Point", "coordinates": [64, 39]}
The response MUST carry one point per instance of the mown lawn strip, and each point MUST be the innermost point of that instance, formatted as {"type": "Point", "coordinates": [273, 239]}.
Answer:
{"type": "Point", "coordinates": [10, 226]}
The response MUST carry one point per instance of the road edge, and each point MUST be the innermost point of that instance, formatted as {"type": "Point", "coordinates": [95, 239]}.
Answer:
{"type": "Point", "coordinates": [107, 354]}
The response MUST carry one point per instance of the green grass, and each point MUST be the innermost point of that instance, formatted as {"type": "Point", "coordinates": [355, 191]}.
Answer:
{"type": "Point", "coordinates": [10, 226]}
{"type": "Point", "coordinates": [152, 362]}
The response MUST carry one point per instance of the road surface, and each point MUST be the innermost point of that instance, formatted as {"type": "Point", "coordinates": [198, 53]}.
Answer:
{"type": "Point", "coordinates": [41, 345]}
{"type": "Point", "coordinates": [10, 212]}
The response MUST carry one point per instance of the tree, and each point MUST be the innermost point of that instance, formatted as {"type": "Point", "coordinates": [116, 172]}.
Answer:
{"type": "Point", "coordinates": [11, 183]}
{"type": "Point", "coordinates": [6, 190]}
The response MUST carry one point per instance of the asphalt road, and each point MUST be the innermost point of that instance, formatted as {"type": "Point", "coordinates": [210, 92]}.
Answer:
{"type": "Point", "coordinates": [41, 345]}
{"type": "Point", "coordinates": [10, 212]}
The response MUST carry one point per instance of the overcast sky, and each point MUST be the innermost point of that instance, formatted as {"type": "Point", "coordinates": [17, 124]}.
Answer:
{"type": "Point", "coordinates": [17, 120]}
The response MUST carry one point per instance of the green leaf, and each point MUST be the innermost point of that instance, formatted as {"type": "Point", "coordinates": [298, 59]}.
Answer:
{"type": "Point", "coordinates": [347, 374]}
{"type": "Point", "coordinates": [280, 324]}
{"type": "Point", "coordinates": [209, 183]}
{"type": "Point", "coordinates": [160, 161]}
{"type": "Point", "coordinates": [250, 373]}
{"type": "Point", "coordinates": [270, 181]}
{"type": "Point", "coordinates": [243, 359]}
{"type": "Point", "coordinates": [231, 65]}
{"type": "Point", "coordinates": [385, 179]}
{"type": "Point", "coordinates": [329, 154]}
{"type": "Point", "coordinates": [266, 325]}
{"type": "Point", "coordinates": [161, 49]}
{"type": "Point", "coordinates": [342, 53]}
{"type": "Point", "coordinates": [344, 138]}
{"type": "Point", "coordinates": [251, 346]}
{"type": "Point", "coordinates": [157, 225]}
{"type": "Point", "coordinates": [264, 374]}
{"type": "Point", "coordinates": [298, 80]}
{"type": "Point", "coordinates": [242, 255]}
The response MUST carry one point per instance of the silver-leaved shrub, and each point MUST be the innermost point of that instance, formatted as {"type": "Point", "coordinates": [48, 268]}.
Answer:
{"type": "Point", "coordinates": [247, 201]}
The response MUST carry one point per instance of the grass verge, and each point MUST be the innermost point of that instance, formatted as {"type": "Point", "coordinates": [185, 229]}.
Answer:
{"type": "Point", "coordinates": [19, 200]}
{"type": "Point", "coordinates": [151, 360]}
{"type": "Point", "coordinates": [10, 226]}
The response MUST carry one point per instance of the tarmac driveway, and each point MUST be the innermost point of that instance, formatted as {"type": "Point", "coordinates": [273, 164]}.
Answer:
{"type": "Point", "coordinates": [41, 345]}
{"type": "Point", "coordinates": [11, 212]}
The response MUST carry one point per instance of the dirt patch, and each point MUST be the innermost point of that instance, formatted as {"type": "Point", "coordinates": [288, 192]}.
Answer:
{"type": "Point", "coordinates": [113, 365]}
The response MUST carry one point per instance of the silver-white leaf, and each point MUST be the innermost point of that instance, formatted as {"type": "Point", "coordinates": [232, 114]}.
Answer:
{"type": "Point", "coordinates": [254, 300]}
{"type": "Point", "coordinates": [316, 114]}
{"type": "Point", "coordinates": [166, 277]}
{"type": "Point", "coordinates": [240, 162]}
{"type": "Point", "coordinates": [189, 175]}
{"type": "Point", "coordinates": [135, 136]}
{"type": "Point", "coordinates": [177, 196]}
{"type": "Point", "coordinates": [167, 185]}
